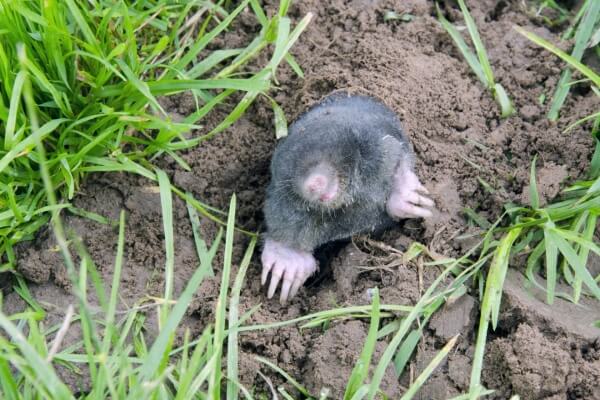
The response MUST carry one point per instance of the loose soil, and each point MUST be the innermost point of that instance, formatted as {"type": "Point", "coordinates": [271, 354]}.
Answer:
{"type": "Point", "coordinates": [537, 351]}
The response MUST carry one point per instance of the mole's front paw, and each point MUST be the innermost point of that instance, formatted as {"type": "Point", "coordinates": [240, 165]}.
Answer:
{"type": "Point", "coordinates": [407, 199]}
{"type": "Point", "coordinates": [282, 261]}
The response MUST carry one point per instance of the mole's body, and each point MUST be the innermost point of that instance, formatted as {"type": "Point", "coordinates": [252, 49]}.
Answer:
{"type": "Point", "coordinates": [346, 167]}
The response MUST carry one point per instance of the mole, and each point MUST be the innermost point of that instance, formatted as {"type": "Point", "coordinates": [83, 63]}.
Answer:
{"type": "Point", "coordinates": [346, 167]}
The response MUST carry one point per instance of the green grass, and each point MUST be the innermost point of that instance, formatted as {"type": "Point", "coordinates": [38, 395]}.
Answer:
{"type": "Point", "coordinates": [573, 62]}
{"type": "Point", "coordinates": [478, 61]}
{"type": "Point", "coordinates": [79, 93]}
{"type": "Point", "coordinates": [88, 102]}
{"type": "Point", "coordinates": [557, 238]}
{"type": "Point", "coordinates": [590, 17]}
{"type": "Point", "coordinates": [560, 13]}
{"type": "Point", "coordinates": [120, 363]}
{"type": "Point", "coordinates": [83, 79]}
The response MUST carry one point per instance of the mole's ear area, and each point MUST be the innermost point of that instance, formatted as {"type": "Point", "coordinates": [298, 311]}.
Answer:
{"type": "Point", "coordinates": [364, 146]}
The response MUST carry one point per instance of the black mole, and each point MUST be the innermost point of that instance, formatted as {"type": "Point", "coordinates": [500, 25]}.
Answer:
{"type": "Point", "coordinates": [345, 167]}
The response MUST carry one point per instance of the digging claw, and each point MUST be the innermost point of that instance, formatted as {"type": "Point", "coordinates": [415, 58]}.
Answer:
{"type": "Point", "coordinates": [408, 198]}
{"type": "Point", "coordinates": [292, 267]}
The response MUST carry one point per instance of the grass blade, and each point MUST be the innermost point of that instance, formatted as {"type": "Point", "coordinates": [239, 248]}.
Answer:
{"type": "Point", "coordinates": [490, 304]}
{"type": "Point", "coordinates": [582, 37]}
{"type": "Point", "coordinates": [15, 98]}
{"type": "Point", "coordinates": [462, 46]}
{"type": "Point", "coordinates": [232, 336]}
{"type": "Point", "coordinates": [406, 350]}
{"type": "Point", "coordinates": [534, 197]}
{"type": "Point", "coordinates": [201, 248]}
{"type": "Point", "coordinates": [8, 385]}
{"type": "Point", "coordinates": [573, 259]}
{"type": "Point", "coordinates": [285, 375]}
{"type": "Point", "coordinates": [479, 47]}
{"type": "Point", "coordinates": [439, 357]}
{"type": "Point", "coordinates": [281, 127]}
{"type": "Point", "coordinates": [551, 262]}
{"type": "Point", "coordinates": [361, 369]}
{"type": "Point", "coordinates": [166, 203]}
{"type": "Point", "coordinates": [595, 78]}
{"type": "Point", "coordinates": [214, 386]}
{"type": "Point", "coordinates": [506, 107]}
{"type": "Point", "coordinates": [112, 305]}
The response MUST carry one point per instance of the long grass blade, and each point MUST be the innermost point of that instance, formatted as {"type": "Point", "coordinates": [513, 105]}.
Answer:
{"type": "Point", "coordinates": [166, 203]}
{"type": "Point", "coordinates": [582, 37]}
{"type": "Point", "coordinates": [361, 369]}
{"type": "Point", "coordinates": [439, 357]}
{"type": "Point", "coordinates": [469, 56]}
{"type": "Point", "coordinates": [551, 262]}
{"type": "Point", "coordinates": [479, 47]}
{"type": "Point", "coordinates": [214, 386]}
{"type": "Point", "coordinates": [490, 304]}
{"type": "Point", "coordinates": [585, 70]}
{"type": "Point", "coordinates": [232, 335]}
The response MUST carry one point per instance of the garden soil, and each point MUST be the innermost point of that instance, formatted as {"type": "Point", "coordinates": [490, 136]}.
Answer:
{"type": "Point", "coordinates": [467, 156]}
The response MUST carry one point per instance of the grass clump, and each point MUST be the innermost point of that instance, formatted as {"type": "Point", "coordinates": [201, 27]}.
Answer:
{"type": "Point", "coordinates": [557, 238]}
{"type": "Point", "coordinates": [479, 62]}
{"type": "Point", "coordinates": [575, 63]}
{"type": "Point", "coordinates": [587, 25]}
{"type": "Point", "coordinates": [112, 350]}
{"type": "Point", "coordinates": [404, 333]}
{"type": "Point", "coordinates": [84, 79]}
{"type": "Point", "coordinates": [79, 92]}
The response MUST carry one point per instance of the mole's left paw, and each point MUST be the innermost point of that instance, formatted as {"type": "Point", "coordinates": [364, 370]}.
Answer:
{"type": "Point", "coordinates": [282, 261]}
{"type": "Point", "coordinates": [408, 199]}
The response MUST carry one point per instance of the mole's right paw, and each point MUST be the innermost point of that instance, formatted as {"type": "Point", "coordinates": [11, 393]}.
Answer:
{"type": "Point", "coordinates": [409, 197]}
{"type": "Point", "coordinates": [282, 261]}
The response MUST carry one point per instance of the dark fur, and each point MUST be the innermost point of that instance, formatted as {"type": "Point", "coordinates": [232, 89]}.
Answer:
{"type": "Point", "coordinates": [348, 132]}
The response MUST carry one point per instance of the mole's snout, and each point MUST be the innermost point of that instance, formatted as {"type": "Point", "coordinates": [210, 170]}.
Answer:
{"type": "Point", "coordinates": [320, 184]}
{"type": "Point", "coordinates": [316, 184]}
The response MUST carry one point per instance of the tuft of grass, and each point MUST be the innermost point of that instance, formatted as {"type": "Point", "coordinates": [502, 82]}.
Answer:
{"type": "Point", "coordinates": [583, 35]}
{"type": "Point", "coordinates": [559, 236]}
{"type": "Point", "coordinates": [82, 82]}
{"type": "Point", "coordinates": [404, 334]}
{"type": "Point", "coordinates": [361, 369]}
{"type": "Point", "coordinates": [120, 364]}
{"type": "Point", "coordinates": [478, 61]}
{"type": "Point", "coordinates": [575, 63]}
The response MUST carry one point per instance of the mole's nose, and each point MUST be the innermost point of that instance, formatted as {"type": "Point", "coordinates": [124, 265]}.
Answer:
{"type": "Point", "coordinates": [316, 183]}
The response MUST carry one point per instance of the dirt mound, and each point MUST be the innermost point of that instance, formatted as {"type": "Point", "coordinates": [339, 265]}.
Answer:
{"type": "Point", "coordinates": [460, 142]}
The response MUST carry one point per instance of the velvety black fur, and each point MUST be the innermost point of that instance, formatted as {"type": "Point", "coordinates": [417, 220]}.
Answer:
{"type": "Point", "coordinates": [363, 140]}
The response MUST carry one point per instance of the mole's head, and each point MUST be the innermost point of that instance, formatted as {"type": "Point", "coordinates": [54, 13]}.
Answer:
{"type": "Point", "coordinates": [328, 171]}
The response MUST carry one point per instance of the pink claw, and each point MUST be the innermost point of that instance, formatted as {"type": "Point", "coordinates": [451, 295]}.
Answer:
{"type": "Point", "coordinates": [291, 265]}
{"type": "Point", "coordinates": [406, 200]}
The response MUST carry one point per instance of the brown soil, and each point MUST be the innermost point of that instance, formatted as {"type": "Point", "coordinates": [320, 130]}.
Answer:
{"type": "Point", "coordinates": [538, 351]}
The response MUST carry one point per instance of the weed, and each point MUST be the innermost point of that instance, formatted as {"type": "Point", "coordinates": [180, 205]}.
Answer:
{"type": "Point", "coordinates": [80, 82]}
{"type": "Point", "coordinates": [479, 64]}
